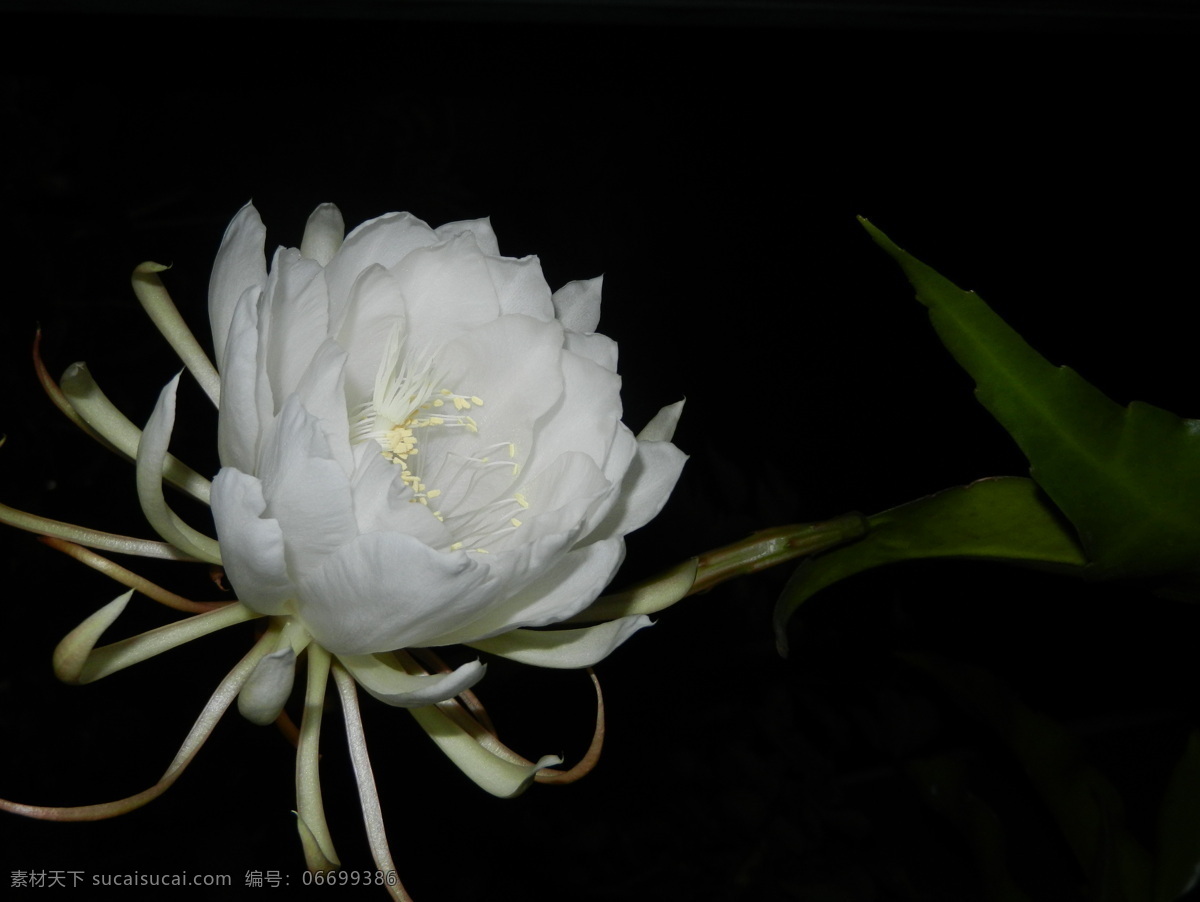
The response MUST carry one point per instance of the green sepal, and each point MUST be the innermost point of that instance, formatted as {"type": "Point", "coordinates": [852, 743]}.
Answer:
{"type": "Point", "coordinates": [1128, 478]}
{"type": "Point", "coordinates": [1002, 519]}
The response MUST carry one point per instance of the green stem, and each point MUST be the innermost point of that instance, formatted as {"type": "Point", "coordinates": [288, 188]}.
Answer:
{"type": "Point", "coordinates": [770, 547]}
{"type": "Point", "coordinates": [758, 551]}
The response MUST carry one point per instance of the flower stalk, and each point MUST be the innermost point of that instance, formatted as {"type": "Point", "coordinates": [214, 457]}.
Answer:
{"type": "Point", "coordinates": [771, 547]}
{"type": "Point", "coordinates": [758, 551]}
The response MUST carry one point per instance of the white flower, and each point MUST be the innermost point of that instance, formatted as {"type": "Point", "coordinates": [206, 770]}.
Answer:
{"type": "Point", "coordinates": [421, 445]}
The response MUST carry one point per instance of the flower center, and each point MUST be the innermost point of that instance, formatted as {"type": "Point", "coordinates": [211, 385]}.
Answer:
{"type": "Point", "coordinates": [409, 399]}
{"type": "Point", "coordinates": [399, 439]}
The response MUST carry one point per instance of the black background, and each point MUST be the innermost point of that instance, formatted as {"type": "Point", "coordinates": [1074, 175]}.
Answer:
{"type": "Point", "coordinates": [712, 171]}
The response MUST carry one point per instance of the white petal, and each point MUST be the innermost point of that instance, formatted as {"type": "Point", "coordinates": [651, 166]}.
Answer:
{"type": "Point", "coordinates": [661, 427]}
{"type": "Point", "coordinates": [480, 229]}
{"type": "Point", "coordinates": [520, 287]}
{"type": "Point", "coordinates": [383, 678]}
{"type": "Point", "coordinates": [577, 304]}
{"type": "Point", "coordinates": [306, 490]}
{"type": "Point", "coordinates": [585, 419]}
{"type": "Point", "coordinates": [384, 591]}
{"type": "Point", "coordinates": [561, 497]}
{"type": "Point", "coordinates": [323, 234]}
{"type": "Point", "coordinates": [251, 547]}
{"type": "Point", "coordinates": [599, 349]}
{"type": "Point", "coordinates": [651, 476]}
{"type": "Point", "coordinates": [297, 309]}
{"type": "Point", "coordinates": [563, 648]}
{"type": "Point", "coordinates": [373, 312]}
{"type": "Point", "coordinates": [321, 391]}
{"type": "Point", "coordinates": [267, 690]}
{"type": "Point", "coordinates": [647, 485]}
{"type": "Point", "coordinates": [382, 503]}
{"type": "Point", "coordinates": [621, 453]}
{"type": "Point", "coordinates": [513, 364]}
{"type": "Point", "coordinates": [241, 266]}
{"type": "Point", "coordinates": [384, 241]}
{"type": "Point", "coordinates": [572, 584]}
{"type": "Point", "coordinates": [239, 424]}
{"type": "Point", "coordinates": [560, 591]}
{"type": "Point", "coordinates": [448, 290]}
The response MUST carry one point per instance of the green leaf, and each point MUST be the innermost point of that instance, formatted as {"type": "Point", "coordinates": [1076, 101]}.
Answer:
{"type": "Point", "coordinates": [1085, 805]}
{"type": "Point", "coordinates": [1127, 478]}
{"type": "Point", "coordinates": [1179, 827]}
{"type": "Point", "coordinates": [1000, 519]}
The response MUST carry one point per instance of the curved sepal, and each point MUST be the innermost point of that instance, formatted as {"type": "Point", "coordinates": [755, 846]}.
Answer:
{"type": "Point", "coordinates": [565, 649]}
{"type": "Point", "coordinates": [384, 678]}
{"type": "Point", "coordinates": [77, 660]}
{"type": "Point", "coordinates": [151, 460]}
{"type": "Point", "coordinates": [490, 770]}
{"type": "Point", "coordinates": [72, 653]}
{"type": "Point", "coordinates": [201, 730]}
{"type": "Point", "coordinates": [164, 314]}
{"type": "Point", "coordinates": [319, 853]}
{"type": "Point", "coordinates": [647, 597]}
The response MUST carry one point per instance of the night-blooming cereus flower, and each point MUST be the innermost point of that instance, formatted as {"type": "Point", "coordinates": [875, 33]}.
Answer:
{"type": "Point", "coordinates": [420, 445]}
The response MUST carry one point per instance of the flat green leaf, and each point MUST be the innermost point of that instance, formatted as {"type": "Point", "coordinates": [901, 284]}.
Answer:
{"type": "Point", "coordinates": [1179, 828]}
{"type": "Point", "coordinates": [1001, 519]}
{"type": "Point", "coordinates": [1085, 805]}
{"type": "Point", "coordinates": [1127, 478]}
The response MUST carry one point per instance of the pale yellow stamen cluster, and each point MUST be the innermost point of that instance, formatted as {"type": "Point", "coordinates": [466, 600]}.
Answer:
{"type": "Point", "coordinates": [406, 399]}
{"type": "Point", "coordinates": [409, 397]}
{"type": "Point", "coordinates": [399, 442]}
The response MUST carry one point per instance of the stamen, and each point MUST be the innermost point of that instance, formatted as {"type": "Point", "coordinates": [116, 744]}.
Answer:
{"type": "Point", "coordinates": [406, 392]}
{"type": "Point", "coordinates": [409, 398]}
{"type": "Point", "coordinates": [479, 526]}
